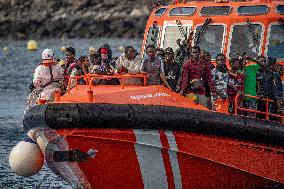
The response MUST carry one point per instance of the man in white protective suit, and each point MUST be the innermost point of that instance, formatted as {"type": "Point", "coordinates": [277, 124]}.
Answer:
{"type": "Point", "coordinates": [48, 76]}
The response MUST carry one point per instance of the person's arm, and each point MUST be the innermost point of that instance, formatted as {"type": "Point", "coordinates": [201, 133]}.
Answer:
{"type": "Point", "coordinates": [37, 78]}
{"type": "Point", "coordinates": [209, 78]}
{"type": "Point", "coordinates": [164, 80]}
{"type": "Point", "coordinates": [184, 79]}
{"type": "Point", "coordinates": [137, 66]}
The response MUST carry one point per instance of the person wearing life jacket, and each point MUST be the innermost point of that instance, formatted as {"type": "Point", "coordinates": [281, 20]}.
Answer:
{"type": "Point", "coordinates": [48, 76]}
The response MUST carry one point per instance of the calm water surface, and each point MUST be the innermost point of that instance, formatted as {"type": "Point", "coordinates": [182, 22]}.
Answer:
{"type": "Point", "coordinates": [16, 72]}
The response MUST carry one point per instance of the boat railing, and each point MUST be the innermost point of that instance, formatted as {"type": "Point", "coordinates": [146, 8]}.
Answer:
{"type": "Point", "coordinates": [89, 78]}
{"type": "Point", "coordinates": [266, 113]}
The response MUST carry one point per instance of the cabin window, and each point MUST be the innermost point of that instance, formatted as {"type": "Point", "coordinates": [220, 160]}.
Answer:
{"type": "Point", "coordinates": [152, 37]}
{"type": "Point", "coordinates": [160, 11]}
{"type": "Point", "coordinates": [276, 42]}
{"type": "Point", "coordinates": [243, 40]}
{"type": "Point", "coordinates": [182, 11]}
{"type": "Point", "coordinates": [252, 10]}
{"type": "Point", "coordinates": [215, 10]}
{"type": "Point", "coordinates": [280, 9]}
{"type": "Point", "coordinates": [172, 33]}
{"type": "Point", "coordinates": [212, 39]}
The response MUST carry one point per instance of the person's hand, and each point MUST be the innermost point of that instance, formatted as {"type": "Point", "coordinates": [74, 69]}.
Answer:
{"type": "Point", "coordinates": [122, 70]}
{"type": "Point", "coordinates": [178, 88]}
{"type": "Point", "coordinates": [182, 92]}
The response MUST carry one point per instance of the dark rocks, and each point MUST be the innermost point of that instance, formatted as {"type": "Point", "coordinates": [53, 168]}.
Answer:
{"type": "Point", "coordinates": [73, 19]}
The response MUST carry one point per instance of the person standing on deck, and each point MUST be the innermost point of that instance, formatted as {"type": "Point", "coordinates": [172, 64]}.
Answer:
{"type": "Point", "coordinates": [236, 84]}
{"type": "Point", "coordinates": [220, 77]}
{"type": "Point", "coordinates": [250, 70]}
{"type": "Point", "coordinates": [193, 78]}
{"type": "Point", "coordinates": [129, 62]}
{"type": "Point", "coordinates": [171, 77]}
{"type": "Point", "coordinates": [48, 76]}
{"type": "Point", "coordinates": [152, 66]}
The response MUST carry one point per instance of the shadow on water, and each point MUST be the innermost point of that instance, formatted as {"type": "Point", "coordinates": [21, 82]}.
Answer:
{"type": "Point", "coordinates": [16, 72]}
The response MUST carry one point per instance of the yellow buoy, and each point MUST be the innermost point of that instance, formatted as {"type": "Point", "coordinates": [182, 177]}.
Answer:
{"type": "Point", "coordinates": [5, 49]}
{"type": "Point", "coordinates": [32, 45]}
{"type": "Point", "coordinates": [120, 48]}
{"type": "Point", "coordinates": [62, 48]}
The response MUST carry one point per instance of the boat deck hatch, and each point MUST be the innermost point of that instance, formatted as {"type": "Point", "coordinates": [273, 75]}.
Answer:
{"type": "Point", "coordinates": [280, 9]}
{"type": "Point", "coordinates": [253, 10]}
{"type": "Point", "coordinates": [215, 11]}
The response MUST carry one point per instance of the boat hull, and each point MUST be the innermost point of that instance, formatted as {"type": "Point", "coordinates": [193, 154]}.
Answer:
{"type": "Point", "coordinates": [180, 149]}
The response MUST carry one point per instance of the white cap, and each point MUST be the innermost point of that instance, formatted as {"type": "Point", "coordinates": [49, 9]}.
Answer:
{"type": "Point", "coordinates": [47, 54]}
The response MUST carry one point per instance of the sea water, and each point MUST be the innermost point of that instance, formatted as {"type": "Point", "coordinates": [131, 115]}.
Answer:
{"type": "Point", "coordinates": [16, 72]}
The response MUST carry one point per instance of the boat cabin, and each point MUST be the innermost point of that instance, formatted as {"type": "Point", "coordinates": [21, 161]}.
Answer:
{"type": "Point", "coordinates": [254, 27]}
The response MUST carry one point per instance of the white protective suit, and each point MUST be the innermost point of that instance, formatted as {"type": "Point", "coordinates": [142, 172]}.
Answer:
{"type": "Point", "coordinates": [42, 76]}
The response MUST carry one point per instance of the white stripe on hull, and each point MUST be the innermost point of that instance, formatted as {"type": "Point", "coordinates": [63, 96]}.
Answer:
{"type": "Point", "coordinates": [149, 155]}
{"type": "Point", "coordinates": [173, 158]}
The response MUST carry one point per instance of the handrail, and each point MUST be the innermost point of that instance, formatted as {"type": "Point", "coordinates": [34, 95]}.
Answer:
{"type": "Point", "coordinates": [76, 79]}
{"type": "Point", "coordinates": [266, 113]}
{"type": "Point", "coordinates": [91, 77]}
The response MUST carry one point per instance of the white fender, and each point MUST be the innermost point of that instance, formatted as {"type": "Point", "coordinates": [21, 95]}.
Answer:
{"type": "Point", "coordinates": [26, 158]}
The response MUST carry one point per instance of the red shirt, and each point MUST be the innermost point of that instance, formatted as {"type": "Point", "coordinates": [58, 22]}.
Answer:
{"type": "Point", "coordinates": [196, 70]}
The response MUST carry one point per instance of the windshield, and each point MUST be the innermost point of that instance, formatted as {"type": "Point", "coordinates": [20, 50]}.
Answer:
{"type": "Point", "coordinates": [172, 33]}
{"type": "Point", "coordinates": [212, 39]}
{"type": "Point", "coordinates": [276, 42]}
{"type": "Point", "coordinates": [242, 40]}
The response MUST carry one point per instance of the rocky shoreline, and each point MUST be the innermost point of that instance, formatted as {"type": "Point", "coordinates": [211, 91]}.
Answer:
{"type": "Point", "coordinates": [38, 19]}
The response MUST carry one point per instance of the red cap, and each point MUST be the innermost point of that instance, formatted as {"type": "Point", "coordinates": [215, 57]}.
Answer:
{"type": "Point", "coordinates": [104, 51]}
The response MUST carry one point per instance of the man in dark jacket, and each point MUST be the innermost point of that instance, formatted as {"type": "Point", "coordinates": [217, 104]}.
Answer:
{"type": "Point", "coordinates": [264, 80]}
{"type": "Point", "coordinates": [171, 70]}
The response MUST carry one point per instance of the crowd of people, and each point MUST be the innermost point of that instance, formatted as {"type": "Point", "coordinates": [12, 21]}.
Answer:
{"type": "Point", "coordinates": [188, 72]}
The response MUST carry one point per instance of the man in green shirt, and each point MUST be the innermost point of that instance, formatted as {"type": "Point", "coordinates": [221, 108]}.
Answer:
{"type": "Point", "coordinates": [250, 70]}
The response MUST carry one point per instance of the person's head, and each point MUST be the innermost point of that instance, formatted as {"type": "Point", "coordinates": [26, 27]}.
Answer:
{"type": "Point", "coordinates": [220, 60]}
{"type": "Point", "coordinates": [160, 53]}
{"type": "Point", "coordinates": [94, 56]}
{"type": "Point", "coordinates": [47, 54]}
{"type": "Point", "coordinates": [70, 53]}
{"type": "Point", "coordinates": [261, 60]}
{"type": "Point", "coordinates": [84, 60]}
{"type": "Point", "coordinates": [104, 54]}
{"type": "Point", "coordinates": [150, 51]}
{"type": "Point", "coordinates": [109, 52]}
{"type": "Point", "coordinates": [235, 64]}
{"type": "Point", "coordinates": [169, 55]}
{"type": "Point", "coordinates": [130, 52]}
{"type": "Point", "coordinates": [202, 55]}
{"type": "Point", "coordinates": [195, 52]}
{"type": "Point", "coordinates": [208, 56]}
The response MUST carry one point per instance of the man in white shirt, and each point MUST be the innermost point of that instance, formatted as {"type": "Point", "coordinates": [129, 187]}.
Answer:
{"type": "Point", "coordinates": [129, 62]}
